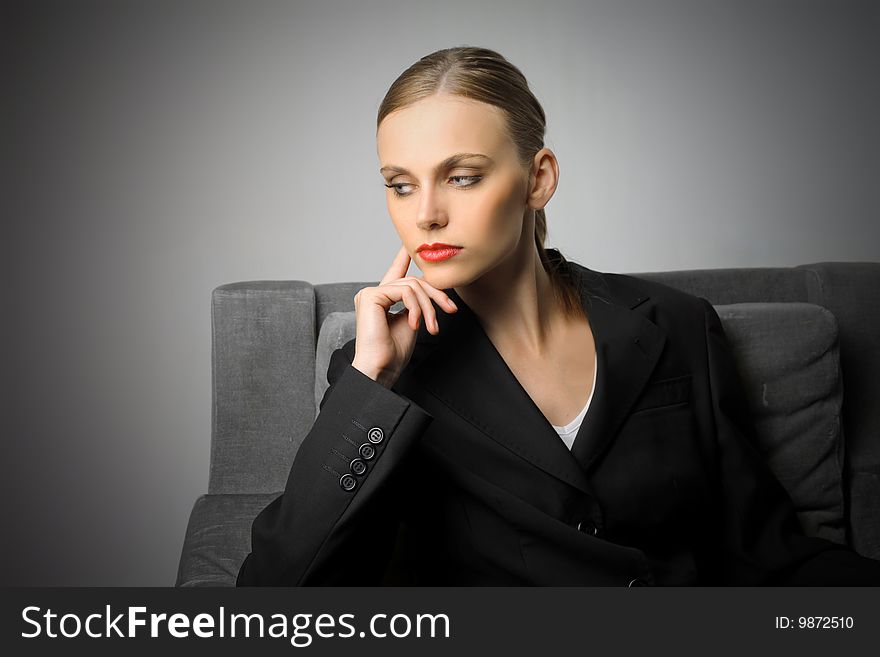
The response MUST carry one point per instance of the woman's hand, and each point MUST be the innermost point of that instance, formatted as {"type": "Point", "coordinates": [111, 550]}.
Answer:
{"type": "Point", "coordinates": [385, 341]}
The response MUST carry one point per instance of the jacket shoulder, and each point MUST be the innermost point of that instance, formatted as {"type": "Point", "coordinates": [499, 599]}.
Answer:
{"type": "Point", "coordinates": [633, 290]}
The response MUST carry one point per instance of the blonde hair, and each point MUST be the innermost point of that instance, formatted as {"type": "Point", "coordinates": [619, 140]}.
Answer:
{"type": "Point", "coordinates": [485, 75]}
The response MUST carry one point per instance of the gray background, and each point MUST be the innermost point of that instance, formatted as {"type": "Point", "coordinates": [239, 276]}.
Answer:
{"type": "Point", "coordinates": [155, 150]}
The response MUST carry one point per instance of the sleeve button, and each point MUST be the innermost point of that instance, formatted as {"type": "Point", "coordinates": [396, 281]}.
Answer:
{"type": "Point", "coordinates": [367, 451]}
{"type": "Point", "coordinates": [638, 581]}
{"type": "Point", "coordinates": [358, 466]}
{"type": "Point", "coordinates": [347, 481]}
{"type": "Point", "coordinates": [588, 527]}
{"type": "Point", "coordinates": [376, 435]}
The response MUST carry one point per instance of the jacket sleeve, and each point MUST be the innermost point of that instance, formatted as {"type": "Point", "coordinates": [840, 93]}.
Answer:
{"type": "Point", "coordinates": [336, 521]}
{"type": "Point", "coordinates": [761, 540]}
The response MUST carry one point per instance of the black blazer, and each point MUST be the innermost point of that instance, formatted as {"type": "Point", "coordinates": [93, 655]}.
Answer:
{"type": "Point", "coordinates": [455, 477]}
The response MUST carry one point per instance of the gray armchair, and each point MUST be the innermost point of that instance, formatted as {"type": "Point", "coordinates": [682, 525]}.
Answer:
{"type": "Point", "coordinates": [806, 339]}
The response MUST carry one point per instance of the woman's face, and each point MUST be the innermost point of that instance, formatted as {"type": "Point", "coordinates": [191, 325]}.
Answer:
{"type": "Point", "coordinates": [476, 202]}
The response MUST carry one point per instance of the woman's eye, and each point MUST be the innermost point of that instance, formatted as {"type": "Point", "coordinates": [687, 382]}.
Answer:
{"type": "Point", "coordinates": [396, 187]}
{"type": "Point", "coordinates": [474, 180]}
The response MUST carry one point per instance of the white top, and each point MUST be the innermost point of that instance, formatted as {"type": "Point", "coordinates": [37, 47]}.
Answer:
{"type": "Point", "coordinates": [569, 431]}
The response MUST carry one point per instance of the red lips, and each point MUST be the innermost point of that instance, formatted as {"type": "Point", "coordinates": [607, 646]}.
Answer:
{"type": "Point", "coordinates": [436, 246]}
{"type": "Point", "coordinates": [438, 252]}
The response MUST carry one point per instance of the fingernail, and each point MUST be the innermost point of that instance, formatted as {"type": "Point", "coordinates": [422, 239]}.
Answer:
{"type": "Point", "coordinates": [452, 303]}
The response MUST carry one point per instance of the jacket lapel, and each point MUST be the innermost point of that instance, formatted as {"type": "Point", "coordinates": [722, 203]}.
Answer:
{"type": "Point", "coordinates": [470, 376]}
{"type": "Point", "coordinates": [628, 348]}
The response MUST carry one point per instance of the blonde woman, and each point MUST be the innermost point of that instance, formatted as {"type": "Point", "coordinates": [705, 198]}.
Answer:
{"type": "Point", "coordinates": [524, 420]}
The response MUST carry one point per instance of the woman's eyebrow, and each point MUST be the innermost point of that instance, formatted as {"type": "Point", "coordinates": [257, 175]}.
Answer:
{"type": "Point", "coordinates": [450, 161]}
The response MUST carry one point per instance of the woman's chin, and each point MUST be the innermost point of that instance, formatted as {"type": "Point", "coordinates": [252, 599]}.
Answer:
{"type": "Point", "coordinates": [440, 281]}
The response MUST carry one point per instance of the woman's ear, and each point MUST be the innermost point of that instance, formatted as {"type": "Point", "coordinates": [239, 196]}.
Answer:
{"type": "Point", "coordinates": [543, 178]}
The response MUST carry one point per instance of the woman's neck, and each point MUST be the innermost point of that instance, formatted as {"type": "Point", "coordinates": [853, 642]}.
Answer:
{"type": "Point", "coordinates": [516, 305]}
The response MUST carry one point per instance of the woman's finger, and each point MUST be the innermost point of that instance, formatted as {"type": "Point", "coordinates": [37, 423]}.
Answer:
{"type": "Point", "coordinates": [398, 266]}
{"type": "Point", "coordinates": [424, 300]}
{"type": "Point", "coordinates": [436, 294]}
{"type": "Point", "coordinates": [412, 303]}
{"type": "Point", "coordinates": [426, 293]}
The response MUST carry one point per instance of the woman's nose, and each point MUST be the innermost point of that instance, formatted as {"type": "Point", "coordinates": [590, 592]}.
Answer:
{"type": "Point", "coordinates": [430, 213]}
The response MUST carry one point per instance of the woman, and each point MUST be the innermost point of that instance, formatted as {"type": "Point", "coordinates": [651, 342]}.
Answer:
{"type": "Point", "coordinates": [524, 420]}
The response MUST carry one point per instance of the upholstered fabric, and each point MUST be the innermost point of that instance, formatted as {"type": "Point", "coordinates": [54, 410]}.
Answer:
{"type": "Point", "coordinates": [263, 371]}
{"type": "Point", "coordinates": [851, 291]}
{"type": "Point", "coordinates": [337, 329]}
{"type": "Point", "coordinates": [218, 538]}
{"type": "Point", "coordinates": [736, 285]}
{"type": "Point", "coordinates": [787, 356]}
{"type": "Point", "coordinates": [337, 297]}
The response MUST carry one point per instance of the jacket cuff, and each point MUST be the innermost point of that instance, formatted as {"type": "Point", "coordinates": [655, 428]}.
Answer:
{"type": "Point", "coordinates": [359, 418]}
{"type": "Point", "coordinates": [361, 435]}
